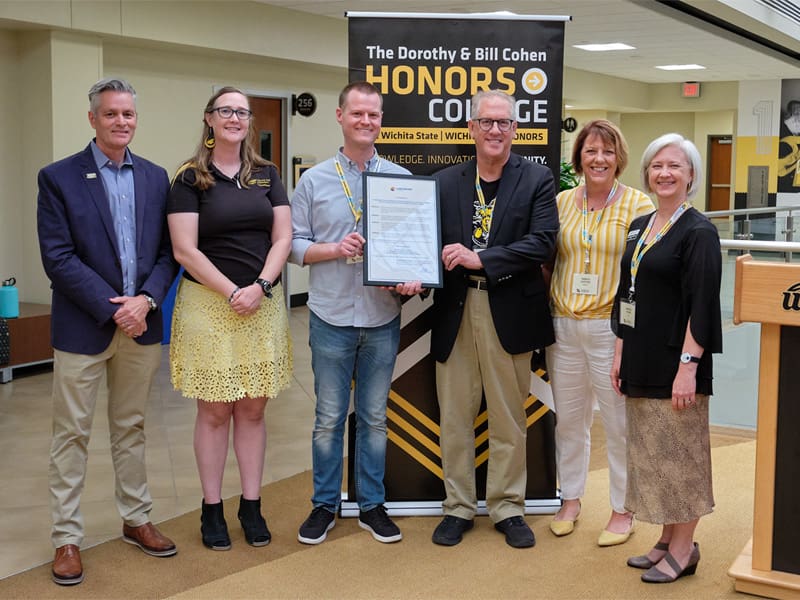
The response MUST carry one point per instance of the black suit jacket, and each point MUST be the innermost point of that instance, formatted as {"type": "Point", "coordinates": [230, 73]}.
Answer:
{"type": "Point", "coordinates": [522, 237]}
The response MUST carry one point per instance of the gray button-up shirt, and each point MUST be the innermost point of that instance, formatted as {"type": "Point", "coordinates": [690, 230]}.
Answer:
{"type": "Point", "coordinates": [321, 213]}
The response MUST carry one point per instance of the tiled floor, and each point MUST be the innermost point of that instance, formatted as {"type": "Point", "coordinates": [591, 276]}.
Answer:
{"type": "Point", "coordinates": [25, 422]}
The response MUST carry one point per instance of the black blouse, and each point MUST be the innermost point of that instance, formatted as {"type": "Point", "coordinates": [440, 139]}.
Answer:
{"type": "Point", "coordinates": [678, 279]}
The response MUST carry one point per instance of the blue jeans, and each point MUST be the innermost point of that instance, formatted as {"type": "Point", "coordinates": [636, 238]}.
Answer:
{"type": "Point", "coordinates": [338, 356]}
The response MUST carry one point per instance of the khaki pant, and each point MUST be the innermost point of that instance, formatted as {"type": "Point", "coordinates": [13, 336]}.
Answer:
{"type": "Point", "coordinates": [479, 364]}
{"type": "Point", "coordinates": [129, 368]}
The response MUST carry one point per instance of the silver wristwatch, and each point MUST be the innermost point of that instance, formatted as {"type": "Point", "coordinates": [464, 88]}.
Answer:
{"type": "Point", "coordinates": [150, 302]}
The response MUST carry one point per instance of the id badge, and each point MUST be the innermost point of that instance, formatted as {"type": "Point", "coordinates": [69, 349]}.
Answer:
{"type": "Point", "coordinates": [585, 284]}
{"type": "Point", "coordinates": [627, 313]}
{"type": "Point", "coordinates": [352, 260]}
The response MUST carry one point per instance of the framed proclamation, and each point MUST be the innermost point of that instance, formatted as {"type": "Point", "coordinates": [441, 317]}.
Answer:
{"type": "Point", "coordinates": [402, 229]}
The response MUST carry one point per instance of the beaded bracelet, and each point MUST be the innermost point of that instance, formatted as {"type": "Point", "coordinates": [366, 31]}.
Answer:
{"type": "Point", "coordinates": [233, 293]}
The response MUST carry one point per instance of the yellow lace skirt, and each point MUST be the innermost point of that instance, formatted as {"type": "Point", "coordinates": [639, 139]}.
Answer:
{"type": "Point", "coordinates": [219, 356]}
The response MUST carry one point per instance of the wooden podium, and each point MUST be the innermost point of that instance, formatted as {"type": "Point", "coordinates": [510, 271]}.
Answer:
{"type": "Point", "coordinates": [769, 293]}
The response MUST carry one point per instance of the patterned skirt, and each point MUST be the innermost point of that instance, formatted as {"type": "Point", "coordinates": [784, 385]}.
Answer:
{"type": "Point", "coordinates": [219, 356]}
{"type": "Point", "coordinates": [669, 461]}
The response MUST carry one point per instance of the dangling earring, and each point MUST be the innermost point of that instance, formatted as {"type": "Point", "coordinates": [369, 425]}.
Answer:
{"type": "Point", "coordinates": [210, 141]}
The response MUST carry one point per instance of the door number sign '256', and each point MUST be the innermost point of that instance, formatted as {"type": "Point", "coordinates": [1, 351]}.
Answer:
{"type": "Point", "coordinates": [305, 104]}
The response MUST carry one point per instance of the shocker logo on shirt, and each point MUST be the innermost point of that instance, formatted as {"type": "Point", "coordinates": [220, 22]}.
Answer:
{"type": "Point", "coordinates": [260, 182]}
{"type": "Point", "coordinates": [481, 223]}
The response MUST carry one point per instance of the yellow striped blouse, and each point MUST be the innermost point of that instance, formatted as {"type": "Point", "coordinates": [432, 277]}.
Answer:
{"type": "Point", "coordinates": [606, 251]}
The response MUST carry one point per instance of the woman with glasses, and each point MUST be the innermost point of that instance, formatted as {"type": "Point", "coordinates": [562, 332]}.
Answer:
{"type": "Point", "coordinates": [667, 320]}
{"type": "Point", "coordinates": [230, 225]}
{"type": "Point", "coordinates": [594, 221]}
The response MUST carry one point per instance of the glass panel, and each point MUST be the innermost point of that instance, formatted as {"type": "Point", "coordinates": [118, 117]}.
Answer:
{"type": "Point", "coordinates": [735, 399]}
{"type": "Point", "coordinates": [265, 144]}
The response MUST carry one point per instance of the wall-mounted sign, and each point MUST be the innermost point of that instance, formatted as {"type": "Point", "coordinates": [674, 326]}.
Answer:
{"type": "Point", "coordinates": [690, 89]}
{"type": "Point", "coordinates": [569, 125]}
{"type": "Point", "coordinates": [305, 104]}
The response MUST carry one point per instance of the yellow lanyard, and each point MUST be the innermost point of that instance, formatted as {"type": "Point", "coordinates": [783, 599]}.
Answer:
{"type": "Point", "coordinates": [641, 248]}
{"type": "Point", "coordinates": [587, 235]}
{"type": "Point", "coordinates": [356, 209]}
{"type": "Point", "coordinates": [481, 231]}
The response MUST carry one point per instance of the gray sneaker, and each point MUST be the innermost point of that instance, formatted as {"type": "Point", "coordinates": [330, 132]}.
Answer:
{"type": "Point", "coordinates": [378, 523]}
{"type": "Point", "coordinates": [315, 528]}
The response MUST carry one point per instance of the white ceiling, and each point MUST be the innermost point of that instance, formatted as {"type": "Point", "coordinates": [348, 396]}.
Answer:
{"type": "Point", "coordinates": [659, 34]}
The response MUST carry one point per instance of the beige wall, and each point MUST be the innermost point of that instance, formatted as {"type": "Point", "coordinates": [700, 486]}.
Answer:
{"type": "Point", "coordinates": [640, 128]}
{"type": "Point", "coordinates": [12, 116]}
{"type": "Point", "coordinates": [174, 84]}
{"type": "Point", "coordinates": [175, 69]}
{"type": "Point", "coordinates": [230, 26]}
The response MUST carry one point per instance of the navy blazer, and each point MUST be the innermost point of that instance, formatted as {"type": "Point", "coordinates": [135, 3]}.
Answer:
{"type": "Point", "coordinates": [522, 237]}
{"type": "Point", "coordinates": [80, 255]}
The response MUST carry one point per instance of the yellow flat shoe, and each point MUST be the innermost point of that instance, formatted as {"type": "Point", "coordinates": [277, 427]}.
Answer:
{"type": "Point", "coordinates": [561, 528]}
{"type": "Point", "coordinates": [608, 538]}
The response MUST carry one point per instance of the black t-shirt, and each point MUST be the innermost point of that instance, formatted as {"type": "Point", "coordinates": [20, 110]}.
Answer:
{"type": "Point", "coordinates": [235, 223]}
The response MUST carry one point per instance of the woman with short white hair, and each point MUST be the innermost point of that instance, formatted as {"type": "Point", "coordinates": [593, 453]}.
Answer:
{"type": "Point", "coordinates": [667, 320]}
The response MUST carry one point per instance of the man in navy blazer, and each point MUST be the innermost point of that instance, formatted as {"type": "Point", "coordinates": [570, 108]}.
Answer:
{"type": "Point", "coordinates": [499, 224]}
{"type": "Point", "coordinates": [105, 247]}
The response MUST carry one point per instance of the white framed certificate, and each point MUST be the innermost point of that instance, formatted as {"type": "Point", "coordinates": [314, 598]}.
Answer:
{"type": "Point", "coordinates": [403, 230]}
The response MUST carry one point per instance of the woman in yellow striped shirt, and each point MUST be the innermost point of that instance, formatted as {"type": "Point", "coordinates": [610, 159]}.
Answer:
{"type": "Point", "coordinates": [594, 223]}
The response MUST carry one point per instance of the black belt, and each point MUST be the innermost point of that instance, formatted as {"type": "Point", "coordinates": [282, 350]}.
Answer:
{"type": "Point", "coordinates": [479, 284]}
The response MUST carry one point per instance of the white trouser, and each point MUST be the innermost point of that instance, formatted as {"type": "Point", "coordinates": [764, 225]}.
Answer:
{"type": "Point", "coordinates": [579, 365]}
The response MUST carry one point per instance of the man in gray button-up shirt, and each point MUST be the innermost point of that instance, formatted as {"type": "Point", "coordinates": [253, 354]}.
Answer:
{"type": "Point", "coordinates": [354, 330]}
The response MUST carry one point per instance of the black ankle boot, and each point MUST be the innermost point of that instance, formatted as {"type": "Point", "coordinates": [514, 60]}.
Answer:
{"type": "Point", "coordinates": [253, 524]}
{"type": "Point", "coordinates": [213, 527]}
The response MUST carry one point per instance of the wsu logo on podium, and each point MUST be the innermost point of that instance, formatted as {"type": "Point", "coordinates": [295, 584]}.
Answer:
{"type": "Point", "coordinates": [791, 297]}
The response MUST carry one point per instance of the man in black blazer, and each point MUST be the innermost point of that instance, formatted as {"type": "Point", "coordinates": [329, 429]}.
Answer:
{"type": "Point", "coordinates": [105, 247]}
{"type": "Point", "coordinates": [499, 224]}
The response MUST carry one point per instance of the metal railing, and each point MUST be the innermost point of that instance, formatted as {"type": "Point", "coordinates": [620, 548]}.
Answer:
{"type": "Point", "coordinates": [743, 239]}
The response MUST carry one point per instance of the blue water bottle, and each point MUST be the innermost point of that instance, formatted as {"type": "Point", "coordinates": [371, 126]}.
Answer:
{"type": "Point", "coordinates": [9, 299]}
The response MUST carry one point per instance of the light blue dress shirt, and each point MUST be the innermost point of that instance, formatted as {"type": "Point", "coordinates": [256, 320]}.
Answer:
{"type": "Point", "coordinates": [118, 183]}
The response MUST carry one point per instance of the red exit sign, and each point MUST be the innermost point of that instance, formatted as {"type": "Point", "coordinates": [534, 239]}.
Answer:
{"type": "Point", "coordinates": [690, 89]}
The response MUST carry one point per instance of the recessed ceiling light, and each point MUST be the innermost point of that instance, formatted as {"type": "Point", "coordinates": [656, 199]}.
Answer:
{"type": "Point", "coordinates": [604, 47]}
{"type": "Point", "coordinates": [680, 67]}
{"type": "Point", "coordinates": [568, 106]}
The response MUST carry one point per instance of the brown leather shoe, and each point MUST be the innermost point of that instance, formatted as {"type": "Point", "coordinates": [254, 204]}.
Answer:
{"type": "Point", "coordinates": [149, 539]}
{"type": "Point", "coordinates": [67, 568]}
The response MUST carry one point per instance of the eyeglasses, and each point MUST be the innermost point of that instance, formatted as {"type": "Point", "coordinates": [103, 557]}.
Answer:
{"type": "Point", "coordinates": [503, 125]}
{"type": "Point", "coordinates": [226, 112]}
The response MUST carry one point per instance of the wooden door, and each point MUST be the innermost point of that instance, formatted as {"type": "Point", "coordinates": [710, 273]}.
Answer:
{"type": "Point", "coordinates": [718, 188]}
{"type": "Point", "coordinates": [268, 124]}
